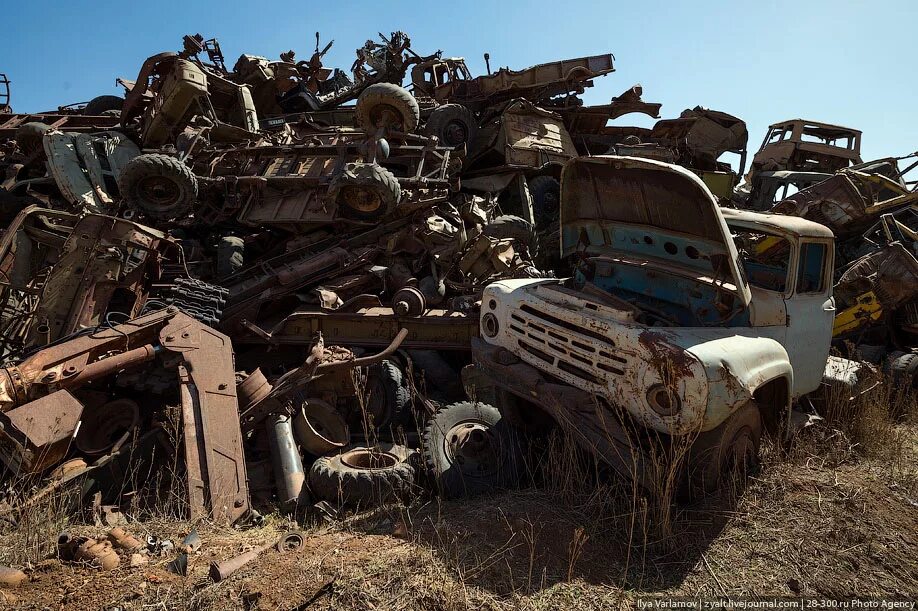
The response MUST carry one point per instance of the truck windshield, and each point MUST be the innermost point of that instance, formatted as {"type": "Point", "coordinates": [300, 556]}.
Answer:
{"type": "Point", "coordinates": [765, 257]}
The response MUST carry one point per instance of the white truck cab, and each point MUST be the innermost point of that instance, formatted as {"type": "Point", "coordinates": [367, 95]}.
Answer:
{"type": "Point", "coordinates": [681, 318]}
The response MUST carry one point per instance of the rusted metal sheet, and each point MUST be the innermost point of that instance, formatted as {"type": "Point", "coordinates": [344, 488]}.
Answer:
{"type": "Point", "coordinates": [37, 435]}
{"type": "Point", "coordinates": [848, 202]}
{"type": "Point", "coordinates": [212, 435]}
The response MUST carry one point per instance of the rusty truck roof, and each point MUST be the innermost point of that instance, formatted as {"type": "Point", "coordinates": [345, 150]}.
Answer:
{"type": "Point", "coordinates": [780, 223]}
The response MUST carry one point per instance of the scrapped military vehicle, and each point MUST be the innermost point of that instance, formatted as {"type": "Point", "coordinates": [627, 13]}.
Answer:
{"type": "Point", "coordinates": [773, 187]}
{"type": "Point", "coordinates": [448, 81]}
{"type": "Point", "coordinates": [307, 178]}
{"type": "Point", "coordinates": [682, 321]}
{"type": "Point", "coordinates": [806, 146]}
{"type": "Point", "coordinates": [172, 90]}
{"type": "Point", "coordinates": [61, 274]}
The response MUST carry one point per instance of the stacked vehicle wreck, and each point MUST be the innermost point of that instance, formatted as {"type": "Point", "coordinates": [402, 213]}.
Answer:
{"type": "Point", "coordinates": [313, 284]}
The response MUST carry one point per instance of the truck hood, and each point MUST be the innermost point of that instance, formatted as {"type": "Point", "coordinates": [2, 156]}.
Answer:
{"type": "Point", "coordinates": [640, 209]}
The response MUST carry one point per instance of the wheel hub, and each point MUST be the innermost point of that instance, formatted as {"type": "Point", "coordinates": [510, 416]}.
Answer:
{"type": "Point", "coordinates": [474, 447]}
{"type": "Point", "coordinates": [386, 116]}
{"type": "Point", "coordinates": [159, 192]}
{"type": "Point", "coordinates": [455, 133]}
{"type": "Point", "coordinates": [362, 199]}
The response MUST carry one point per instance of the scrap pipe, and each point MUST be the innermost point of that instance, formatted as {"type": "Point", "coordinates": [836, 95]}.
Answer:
{"type": "Point", "coordinates": [221, 570]}
{"type": "Point", "coordinates": [289, 475]}
{"type": "Point", "coordinates": [102, 368]}
{"type": "Point", "coordinates": [365, 360]}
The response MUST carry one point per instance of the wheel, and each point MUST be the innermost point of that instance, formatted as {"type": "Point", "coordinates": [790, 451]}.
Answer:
{"type": "Point", "coordinates": [361, 475]}
{"type": "Point", "coordinates": [388, 399]}
{"type": "Point", "coordinates": [29, 137]}
{"type": "Point", "coordinates": [546, 197]}
{"type": "Point", "coordinates": [160, 186]}
{"type": "Point", "coordinates": [102, 104]}
{"type": "Point", "coordinates": [365, 191]}
{"type": "Point", "coordinates": [230, 256]}
{"type": "Point", "coordinates": [903, 367]}
{"type": "Point", "coordinates": [516, 228]}
{"type": "Point", "coordinates": [453, 124]}
{"type": "Point", "coordinates": [723, 454]}
{"type": "Point", "coordinates": [385, 105]}
{"type": "Point", "coordinates": [470, 449]}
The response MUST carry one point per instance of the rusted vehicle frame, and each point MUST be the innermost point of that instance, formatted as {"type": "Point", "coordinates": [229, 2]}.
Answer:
{"type": "Point", "coordinates": [538, 82]}
{"type": "Point", "coordinates": [372, 326]}
{"type": "Point", "coordinates": [848, 202]}
{"type": "Point", "coordinates": [91, 263]}
{"type": "Point", "coordinates": [795, 153]}
{"type": "Point", "coordinates": [215, 463]}
{"type": "Point", "coordinates": [4, 94]}
{"type": "Point", "coordinates": [519, 136]}
{"type": "Point", "coordinates": [424, 170]}
{"type": "Point", "coordinates": [9, 122]}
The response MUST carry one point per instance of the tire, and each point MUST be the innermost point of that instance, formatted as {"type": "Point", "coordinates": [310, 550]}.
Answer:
{"type": "Point", "coordinates": [453, 124]}
{"type": "Point", "coordinates": [100, 105]}
{"type": "Point", "coordinates": [349, 477]}
{"type": "Point", "coordinates": [732, 448]}
{"type": "Point", "coordinates": [385, 105]}
{"type": "Point", "coordinates": [230, 256]}
{"type": "Point", "coordinates": [903, 368]}
{"type": "Point", "coordinates": [546, 197]}
{"type": "Point", "coordinates": [470, 449]}
{"type": "Point", "coordinates": [30, 137]}
{"type": "Point", "coordinates": [388, 399]}
{"type": "Point", "coordinates": [365, 191]}
{"type": "Point", "coordinates": [160, 186]}
{"type": "Point", "coordinates": [516, 228]}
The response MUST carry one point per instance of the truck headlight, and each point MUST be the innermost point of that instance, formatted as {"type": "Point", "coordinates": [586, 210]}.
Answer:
{"type": "Point", "coordinates": [489, 325]}
{"type": "Point", "coordinates": [663, 400]}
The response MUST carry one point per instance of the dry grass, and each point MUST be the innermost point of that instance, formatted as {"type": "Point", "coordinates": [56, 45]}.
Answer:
{"type": "Point", "coordinates": [834, 516]}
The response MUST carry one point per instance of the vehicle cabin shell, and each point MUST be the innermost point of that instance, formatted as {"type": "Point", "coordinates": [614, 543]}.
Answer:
{"type": "Point", "coordinates": [808, 146]}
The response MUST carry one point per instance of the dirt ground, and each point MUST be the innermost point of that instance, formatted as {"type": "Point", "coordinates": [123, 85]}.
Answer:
{"type": "Point", "coordinates": [825, 521]}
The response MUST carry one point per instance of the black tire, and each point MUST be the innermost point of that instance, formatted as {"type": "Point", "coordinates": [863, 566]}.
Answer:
{"type": "Point", "coordinates": [30, 137]}
{"type": "Point", "coordinates": [731, 450]}
{"type": "Point", "coordinates": [230, 256]}
{"type": "Point", "coordinates": [453, 124]}
{"type": "Point", "coordinates": [385, 105]}
{"type": "Point", "coordinates": [388, 398]}
{"type": "Point", "coordinates": [546, 197]}
{"type": "Point", "coordinates": [365, 191]}
{"type": "Point", "coordinates": [102, 104]}
{"type": "Point", "coordinates": [470, 449]}
{"type": "Point", "coordinates": [515, 228]}
{"type": "Point", "coordinates": [361, 475]}
{"type": "Point", "coordinates": [903, 368]}
{"type": "Point", "coordinates": [160, 186]}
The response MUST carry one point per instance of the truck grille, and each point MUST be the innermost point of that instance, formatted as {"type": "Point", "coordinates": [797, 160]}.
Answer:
{"type": "Point", "coordinates": [559, 344]}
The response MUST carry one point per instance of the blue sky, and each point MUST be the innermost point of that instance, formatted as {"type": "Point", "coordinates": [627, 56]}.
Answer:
{"type": "Point", "coordinates": [844, 62]}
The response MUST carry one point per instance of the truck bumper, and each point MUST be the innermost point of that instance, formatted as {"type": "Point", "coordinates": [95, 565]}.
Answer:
{"type": "Point", "coordinates": [593, 425]}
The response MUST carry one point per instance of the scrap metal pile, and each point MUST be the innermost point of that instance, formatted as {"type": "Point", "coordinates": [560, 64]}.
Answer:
{"type": "Point", "coordinates": [279, 265]}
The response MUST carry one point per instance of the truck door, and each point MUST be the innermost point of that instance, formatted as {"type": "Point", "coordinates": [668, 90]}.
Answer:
{"type": "Point", "coordinates": [810, 315]}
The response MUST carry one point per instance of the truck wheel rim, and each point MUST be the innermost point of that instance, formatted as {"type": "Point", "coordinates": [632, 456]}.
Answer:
{"type": "Point", "coordinates": [455, 133]}
{"type": "Point", "coordinates": [472, 446]}
{"type": "Point", "coordinates": [368, 459]}
{"type": "Point", "coordinates": [362, 199]}
{"type": "Point", "coordinates": [158, 192]}
{"type": "Point", "coordinates": [385, 115]}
